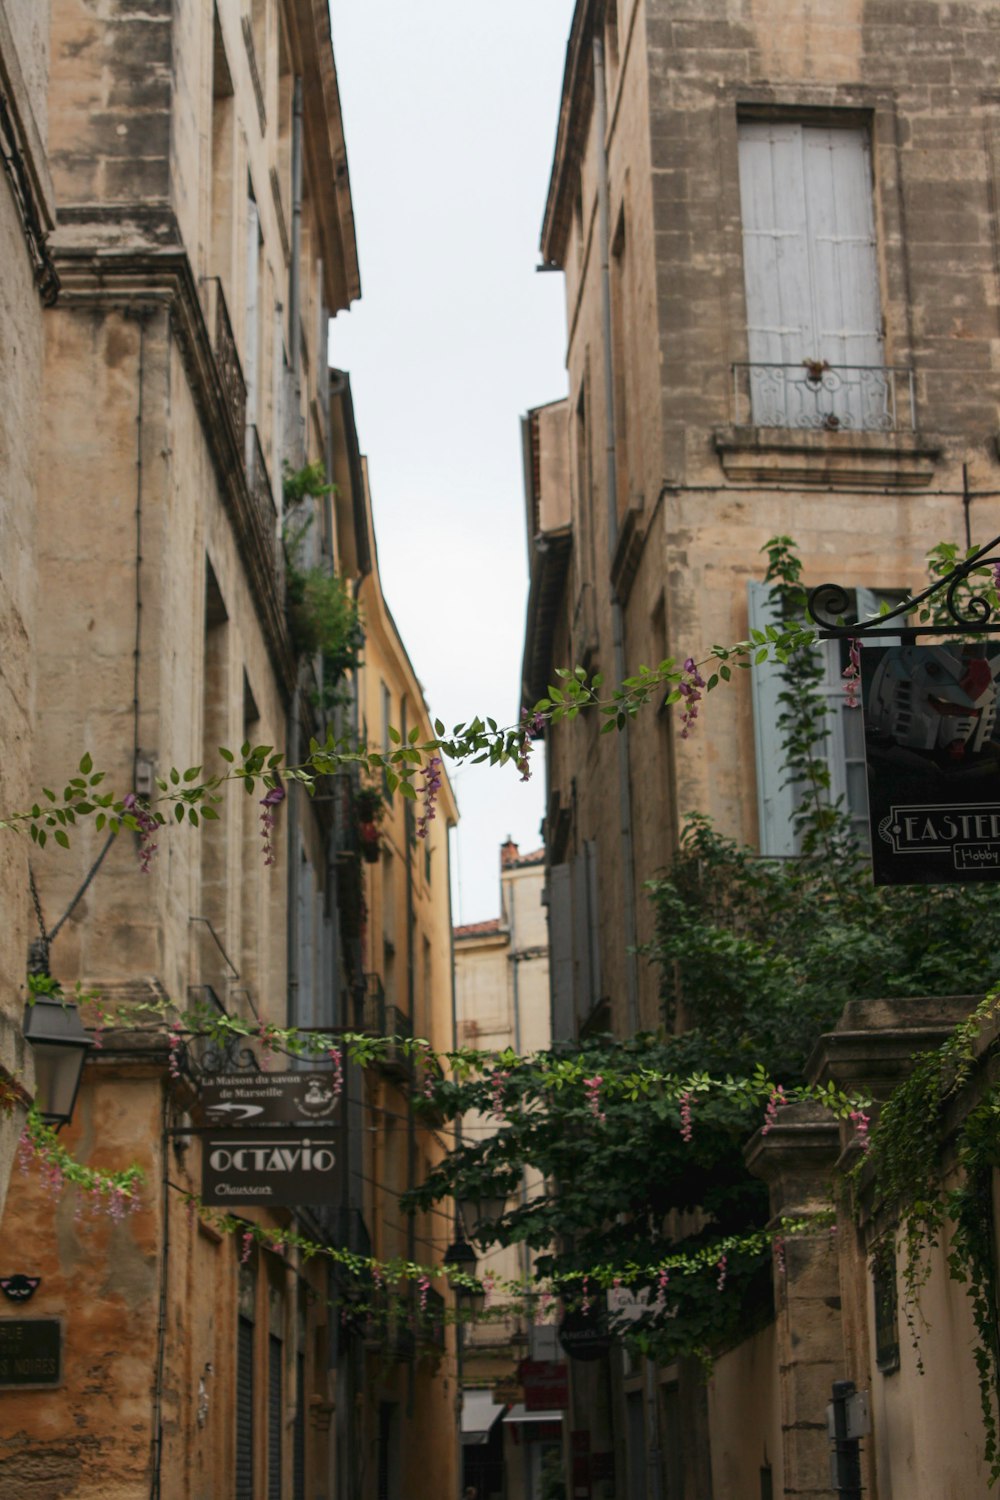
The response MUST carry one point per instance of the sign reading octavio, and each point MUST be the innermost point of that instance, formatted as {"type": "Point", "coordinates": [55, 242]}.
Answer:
{"type": "Point", "coordinates": [287, 1168]}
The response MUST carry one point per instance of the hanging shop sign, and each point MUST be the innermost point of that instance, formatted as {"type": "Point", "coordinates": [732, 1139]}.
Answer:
{"type": "Point", "coordinates": [584, 1334]}
{"type": "Point", "coordinates": [270, 1098]}
{"type": "Point", "coordinates": [932, 753]}
{"type": "Point", "coordinates": [289, 1168]}
{"type": "Point", "coordinates": [30, 1352]}
{"type": "Point", "coordinates": [545, 1384]}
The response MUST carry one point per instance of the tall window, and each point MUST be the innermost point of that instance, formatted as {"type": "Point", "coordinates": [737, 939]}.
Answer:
{"type": "Point", "coordinates": [251, 358]}
{"type": "Point", "coordinates": [813, 317]}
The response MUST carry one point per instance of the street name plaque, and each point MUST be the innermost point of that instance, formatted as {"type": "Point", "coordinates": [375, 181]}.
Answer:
{"type": "Point", "coordinates": [30, 1352]}
{"type": "Point", "coordinates": [270, 1098]}
{"type": "Point", "coordinates": [286, 1168]}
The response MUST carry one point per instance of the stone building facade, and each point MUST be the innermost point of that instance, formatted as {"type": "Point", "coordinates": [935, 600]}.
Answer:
{"type": "Point", "coordinates": [777, 225]}
{"type": "Point", "coordinates": [202, 241]}
{"type": "Point", "coordinates": [29, 282]}
{"type": "Point", "coordinates": [502, 1001]}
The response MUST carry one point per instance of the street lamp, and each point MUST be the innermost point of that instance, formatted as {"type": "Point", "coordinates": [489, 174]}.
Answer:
{"type": "Point", "coordinates": [460, 1261]}
{"type": "Point", "coordinates": [479, 1209]}
{"type": "Point", "coordinates": [60, 1046]}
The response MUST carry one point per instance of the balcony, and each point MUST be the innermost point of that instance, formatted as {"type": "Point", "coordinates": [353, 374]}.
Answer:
{"type": "Point", "coordinates": [818, 397]}
{"type": "Point", "coordinates": [227, 358]}
{"type": "Point", "coordinates": [812, 423]}
{"type": "Point", "coordinates": [379, 1017]}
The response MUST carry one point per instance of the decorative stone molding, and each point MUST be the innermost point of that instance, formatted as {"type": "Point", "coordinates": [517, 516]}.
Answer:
{"type": "Point", "coordinates": [846, 460]}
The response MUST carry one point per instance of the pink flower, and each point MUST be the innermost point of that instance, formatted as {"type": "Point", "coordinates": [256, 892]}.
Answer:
{"type": "Point", "coordinates": [861, 1121]}
{"type": "Point", "coordinates": [779, 1255]}
{"type": "Point", "coordinates": [689, 689]}
{"type": "Point", "coordinates": [247, 1246]}
{"type": "Point", "coordinates": [720, 1266]}
{"type": "Point", "coordinates": [771, 1113]}
{"type": "Point", "coordinates": [424, 1286]}
{"type": "Point", "coordinates": [271, 799]}
{"type": "Point", "coordinates": [429, 790]}
{"type": "Point", "coordinates": [687, 1119]}
{"type": "Point", "coordinates": [496, 1091]}
{"type": "Point", "coordinates": [592, 1089]}
{"type": "Point", "coordinates": [663, 1281]}
{"type": "Point", "coordinates": [338, 1071]}
{"type": "Point", "coordinates": [148, 824]}
{"type": "Point", "coordinates": [852, 674]}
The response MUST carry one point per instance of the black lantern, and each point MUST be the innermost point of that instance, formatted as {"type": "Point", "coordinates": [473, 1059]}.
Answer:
{"type": "Point", "coordinates": [479, 1209]}
{"type": "Point", "coordinates": [60, 1045]}
{"type": "Point", "coordinates": [470, 1295]}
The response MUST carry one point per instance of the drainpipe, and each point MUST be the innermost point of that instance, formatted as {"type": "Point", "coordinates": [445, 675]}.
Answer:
{"type": "Point", "coordinates": [294, 270]}
{"type": "Point", "coordinates": [611, 481]}
{"type": "Point", "coordinates": [515, 963]}
{"type": "Point", "coordinates": [618, 647]}
{"type": "Point", "coordinates": [459, 1330]}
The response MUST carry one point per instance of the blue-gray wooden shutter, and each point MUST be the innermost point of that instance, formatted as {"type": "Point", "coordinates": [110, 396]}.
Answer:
{"type": "Point", "coordinates": [776, 798]}
{"type": "Point", "coordinates": [811, 274]}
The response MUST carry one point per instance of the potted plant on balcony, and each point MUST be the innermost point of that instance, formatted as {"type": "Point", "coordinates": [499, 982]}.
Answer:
{"type": "Point", "coordinates": [369, 805]}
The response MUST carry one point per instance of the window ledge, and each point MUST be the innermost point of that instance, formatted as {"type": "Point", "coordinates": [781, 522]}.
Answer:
{"type": "Point", "coordinates": [848, 460]}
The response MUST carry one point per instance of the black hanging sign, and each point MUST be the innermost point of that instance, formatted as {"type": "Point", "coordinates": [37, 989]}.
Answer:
{"type": "Point", "coordinates": [584, 1334]}
{"type": "Point", "coordinates": [270, 1098]}
{"type": "Point", "coordinates": [30, 1352]}
{"type": "Point", "coordinates": [287, 1168]}
{"type": "Point", "coordinates": [933, 760]}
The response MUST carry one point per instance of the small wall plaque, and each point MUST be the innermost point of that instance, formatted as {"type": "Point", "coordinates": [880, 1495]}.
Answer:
{"type": "Point", "coordinates": [30, 1352]}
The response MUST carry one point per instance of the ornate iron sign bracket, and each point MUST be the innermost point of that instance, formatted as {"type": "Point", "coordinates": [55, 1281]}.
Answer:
{"type": "Point", "coordinates": [977, 615]}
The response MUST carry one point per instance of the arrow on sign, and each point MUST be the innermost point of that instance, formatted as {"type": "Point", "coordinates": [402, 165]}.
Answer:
{"type": "Point", "coordinates": [245, 1111]}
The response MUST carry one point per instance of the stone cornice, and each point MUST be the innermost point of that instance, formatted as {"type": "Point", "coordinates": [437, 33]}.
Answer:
{"type": "Point", "coordinates": [156, 275]}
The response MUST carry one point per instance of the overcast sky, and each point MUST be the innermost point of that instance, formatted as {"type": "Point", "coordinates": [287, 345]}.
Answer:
{"type": "Point", "coordinates": [450, 111]}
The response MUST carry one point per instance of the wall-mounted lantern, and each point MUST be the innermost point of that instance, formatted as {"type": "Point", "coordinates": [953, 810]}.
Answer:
{"type": "Point", "coordinates": [60, 1045]}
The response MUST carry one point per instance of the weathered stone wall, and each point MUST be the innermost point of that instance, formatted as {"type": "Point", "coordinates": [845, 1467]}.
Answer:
{"type": "Point", "coordinates": [23, 65]}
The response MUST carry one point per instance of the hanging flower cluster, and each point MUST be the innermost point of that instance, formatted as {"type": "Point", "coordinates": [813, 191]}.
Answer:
{"type": "Point", "coordinates": [690, 690]}
{"type": "Point", "coordinates": [496, 1093]}
{"type": "Point", "coordinates": [270, 800]}
{"type": "Point", "coordinates": [721, 1266]}
{"type": "Point", "coordinates": [148, 825]}
{"type": "Point", "coordinates": [336, 1059]}
{"type": "Point", "coordinates": [592, 1089]}
{"type": "Point", "coordinates": [531, 725]}
{"type": "Point", "coordinates": [663, 1281]}
{"type": "Point", "coordinates": [174, 1045]}
{"type": "Point", "coordinates": [852, 674]}
{"type": "Point", "coordinates": [429, 792]}
{"type": "Point", "coordinates": [687, 1117]}
{"type": "Point", "coordinates": [861, 1122]}
{"type": "Point", "coordinates": [776, 1099]}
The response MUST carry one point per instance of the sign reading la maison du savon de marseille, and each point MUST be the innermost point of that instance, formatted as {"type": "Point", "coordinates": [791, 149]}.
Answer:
{"type": "Point", "coordinates": [933, 759]}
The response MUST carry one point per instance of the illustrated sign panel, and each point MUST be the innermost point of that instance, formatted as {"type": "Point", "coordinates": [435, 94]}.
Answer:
{"type": "Point", "coordinates": [270, 1098]}
{"type": "Point", "coordinates": [30, 1352]}
{"type": "Point", "coordinates": [933, 762]}
{"type": "Point", "coordinates": [287, 1168]}
{"type": "Point", "coordinates": [545, 1383]}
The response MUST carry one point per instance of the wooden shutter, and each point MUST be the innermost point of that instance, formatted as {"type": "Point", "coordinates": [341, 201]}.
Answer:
{"type": "Point", "coordinates": [275, 1356]}
{"type": "Point", "coordinates": [811, 274]}
{"type": "Point", "coordinates": [244, 1411]}
{"type": "Point", "coordinates": [776, 799]}
{"type": "Point", "coordinates": [561, 954]}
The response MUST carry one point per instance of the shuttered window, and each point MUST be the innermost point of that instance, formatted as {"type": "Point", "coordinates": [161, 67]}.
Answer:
{"type": "Point", "coordinates": [244, 1411]}
{"type": "Point", "coordinates": [811, 274]}
{"type": "Point", "coordinates": [574, 942]}
{"type": "Point", "coordinates": [843, 748]}
{"type": "Point", "coordinates": [275, 1355]}
{"type": "Point", "coordinates": [299, 1449]}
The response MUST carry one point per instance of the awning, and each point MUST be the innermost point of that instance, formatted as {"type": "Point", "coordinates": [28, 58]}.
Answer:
{"type": "Point", "coordinates": [479, 1413]}
{"type": "Point", "coordinates": [522, 1414]}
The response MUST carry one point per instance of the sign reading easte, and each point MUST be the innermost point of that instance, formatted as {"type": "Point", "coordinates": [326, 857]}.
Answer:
{"type": "Point", "coordinates": [270, 1098]}
{"type": "Point", "coordinates": [933, 763]}
{"type": "Point", "coordinates": [286, 1168]}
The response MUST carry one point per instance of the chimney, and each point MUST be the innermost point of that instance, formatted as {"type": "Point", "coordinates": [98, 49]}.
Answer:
{"type": "Point", "coordinates": [508, 852]}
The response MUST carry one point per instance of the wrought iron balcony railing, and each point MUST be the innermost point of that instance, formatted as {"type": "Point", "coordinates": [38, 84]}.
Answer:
{"type": "Point", "coordinates": [379, 1017]}
{"type": "Point", "coordinates": [227, 357]}
{"type": "Point", "coordinates": [820, 397]}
